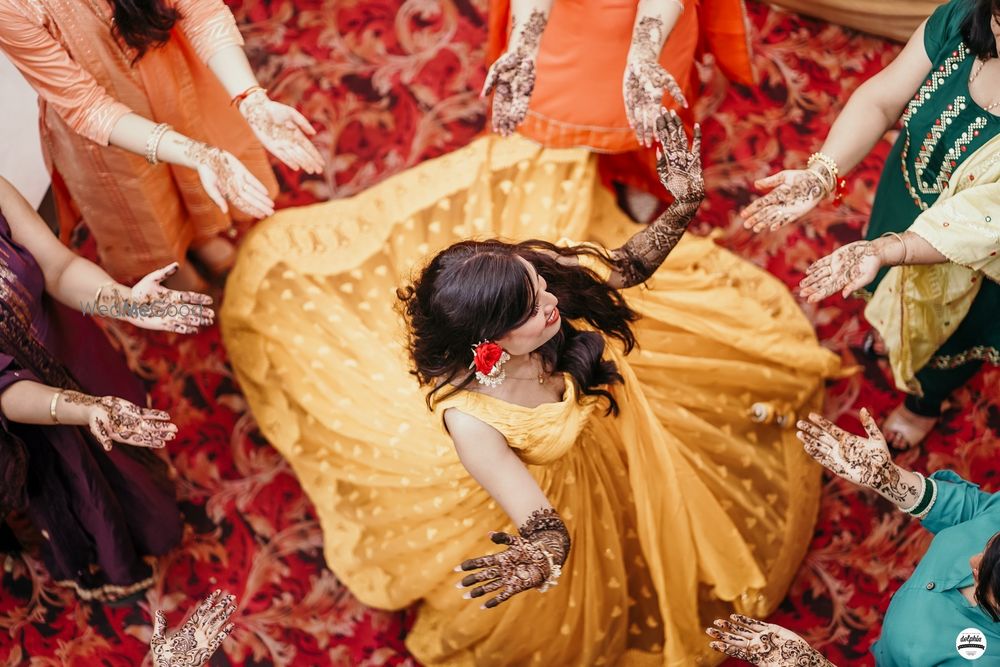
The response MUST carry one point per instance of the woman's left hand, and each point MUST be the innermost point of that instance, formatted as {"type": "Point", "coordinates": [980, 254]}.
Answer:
{"type": "Point", "coordinates": [845, 270]}
{"type": "Point", "coordinates": [155, 307]}
{"type": "Point", "coordinates": [763, 644]}
{"type": "Point", "coordinates": [283, 131]}
{"type": "Point", "coordinates": [526, 563]}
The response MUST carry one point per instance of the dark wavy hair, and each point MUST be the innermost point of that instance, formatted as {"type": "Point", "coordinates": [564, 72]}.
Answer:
{"type": "Point", "coordinates": [977, 30]}
{"type": "Point", "coordinates": [478, 290]}
{"type": "Point", "coordinates": [143, 24]}
{"type": "Point", "coordinates": [988, 588]}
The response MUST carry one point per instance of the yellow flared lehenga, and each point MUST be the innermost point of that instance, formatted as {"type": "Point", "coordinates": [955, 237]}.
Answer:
{"type": "Point", "coordinates": [681, 509]}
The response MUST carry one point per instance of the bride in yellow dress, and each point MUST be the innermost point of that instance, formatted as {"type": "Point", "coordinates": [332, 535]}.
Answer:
{"type": "Point", "coordinates": [635, 488]}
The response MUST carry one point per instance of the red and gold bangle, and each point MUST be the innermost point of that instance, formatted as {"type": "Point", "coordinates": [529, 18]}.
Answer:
{"type": "Point", "coordinates": [238, 99]}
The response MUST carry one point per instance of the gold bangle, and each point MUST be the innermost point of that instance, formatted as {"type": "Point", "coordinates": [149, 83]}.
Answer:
{"type": "Point", "coordinates": [153, 142]}
{"type": "Point", "coordinates": [901, 242]}
{"type": "Point", "coordinates": [831, 167]}
{"type": "Point", "coordinates": [52, 406]}
{"type": "Point", "coordinates": [100, 290]}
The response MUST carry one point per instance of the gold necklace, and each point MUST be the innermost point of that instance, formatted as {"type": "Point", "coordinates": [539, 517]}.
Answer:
{"type": "Point", "coordinates": [982, 64]}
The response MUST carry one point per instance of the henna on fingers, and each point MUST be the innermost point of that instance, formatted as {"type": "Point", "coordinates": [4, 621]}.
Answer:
{"type": "Point", "coordinates": [532, 560]}
{"type": "Point", "coordinates": [512, 76]}
{"type": "Point", "coordinates": [845, 270]}
{"type": "Point", "coordinates": [198, 639]}
{"type": "Point", "coordinates": [795, 193]}
{"type": "Point", "coordinates": [645, 80]}
{"type": "Point", "coordinates": [226, 179]}
{"type": "Point", "coordinates": [114, 419]}
{"type": "Point", "coordinates": [763, 644]}
{"type": "Point", "coordinates": [282, 130]}
{"type": "Point", "coordinates": [679, 169]}
{"type": "Point", "coordinates": [864, 461]}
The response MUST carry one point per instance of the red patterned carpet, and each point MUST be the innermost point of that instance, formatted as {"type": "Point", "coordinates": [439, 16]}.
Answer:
{"type": "Point", "coordinates": [390, 83]}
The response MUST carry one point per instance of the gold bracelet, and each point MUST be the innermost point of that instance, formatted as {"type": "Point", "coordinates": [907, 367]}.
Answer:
{"type": "Point", "coordinates": [901, 242]}
{"type": "Point", "coordinates": [831, 167]}
{"type": "Point", "coordinates": [153, 142]}
{"type": "Point", "coordinates": [555, 571]}
{"type": "Point", "coordinates": [52, 406]}
{"type": "Point", "coordinates": [97, 297]}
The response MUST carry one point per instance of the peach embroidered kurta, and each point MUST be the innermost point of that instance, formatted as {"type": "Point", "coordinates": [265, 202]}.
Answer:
{"type": "Point", "coordinates": [141, 216]}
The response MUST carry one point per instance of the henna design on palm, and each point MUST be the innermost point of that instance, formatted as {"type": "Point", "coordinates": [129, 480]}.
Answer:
{"type": "Point", "coordinates": [198, 639]}
{"type": "Point", "coordinates": [679, 169]}
{"type": "Point", "coordinates": [763, 644]}
{"type": "Point", "coordinates": [527, 563]}
{"type": "Point", "coordinates": [864, 461]}
{"type": "Point", "coordinates": [645, 80]}
{"type": "Point", "coordinates": [226, 179]}
{"type": "Point", "coordinates": [283, 131]}
{"type": "Point", "coordinates": [795, 193]}
{"type": "Point", "coordinates": [114, 419]}
{"type": "Point", "coordinates": [844, 270]}
{"type": "Point", "coordinates": [512, 76]}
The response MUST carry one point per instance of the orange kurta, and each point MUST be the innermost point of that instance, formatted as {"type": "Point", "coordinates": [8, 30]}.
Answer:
{"type": "Point", "coordinates": [141, 216]}
{"type": "Point", "coordinates": [577, 100]}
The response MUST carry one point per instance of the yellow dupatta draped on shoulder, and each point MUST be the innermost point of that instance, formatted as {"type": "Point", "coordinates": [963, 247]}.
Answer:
{"type": "Point", "coordinates": [917, 308]}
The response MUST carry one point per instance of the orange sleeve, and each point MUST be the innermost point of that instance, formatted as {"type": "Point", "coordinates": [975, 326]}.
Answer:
{"type": "Point", "coordinates": [208, 25]}
{"type": "Point", "coordinates": [725, 33]}
{"type": "Point", "coordinates": [56, 77]}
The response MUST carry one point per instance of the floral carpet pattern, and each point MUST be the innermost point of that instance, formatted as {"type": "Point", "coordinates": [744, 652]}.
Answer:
{"type": "Point", "coordinates": [390, 83]}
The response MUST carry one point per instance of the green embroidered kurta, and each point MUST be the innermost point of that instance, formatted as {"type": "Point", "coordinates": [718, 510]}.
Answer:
{"type": "Point", "coordinates": [942, 125]}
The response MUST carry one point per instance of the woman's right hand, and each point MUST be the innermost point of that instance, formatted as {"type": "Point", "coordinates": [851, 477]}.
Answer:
{"type": "Point", "coordinates": [112, 419]}
{"type": "Point", "coordinates": [678, 166]}
{"type": "Point", "coordinates": [512, 77]}
{"type": "Point", "coordinates": [862, 460]}
{"type": "Point", "coordinates": [793, 193]}
{"type": "Point", "coordinates": [225, 179]}
{"type": "Point", "coordinates": [763, 644]}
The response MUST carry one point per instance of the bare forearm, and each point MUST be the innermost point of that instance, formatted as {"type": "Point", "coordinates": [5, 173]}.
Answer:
{"type": "Point", "coordinates": [906, 249]}
{"type": "Point", "coordinates": [640, 257]}
{"type": "Point", "coordinates": [859, 127]}
{"type": "Point", "coordinates": [133, 133]}
{"type": "Point", "coordinates": [232, 69]}
{"type": "Point", "coordinates": [30, 402]}
{"type": "Point", "coordinates": [78, 284]}
{"type": "Point", "coordinates": [654, 21]}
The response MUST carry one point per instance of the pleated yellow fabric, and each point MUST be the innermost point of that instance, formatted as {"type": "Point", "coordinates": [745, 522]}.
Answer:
{"type": "Point", "coordinates": [681, 509]}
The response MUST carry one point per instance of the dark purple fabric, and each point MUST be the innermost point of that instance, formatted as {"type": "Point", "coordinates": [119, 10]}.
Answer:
{"type": "Point", "coordinates": [94, 507]}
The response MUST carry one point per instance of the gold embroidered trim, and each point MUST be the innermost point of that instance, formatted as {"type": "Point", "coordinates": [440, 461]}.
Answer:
{"type": "Point", "coordinates": [982, 352]}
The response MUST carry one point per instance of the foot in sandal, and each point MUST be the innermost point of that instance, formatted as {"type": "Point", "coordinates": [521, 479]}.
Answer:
{"type": "Point", "coordinates": [904, 429]}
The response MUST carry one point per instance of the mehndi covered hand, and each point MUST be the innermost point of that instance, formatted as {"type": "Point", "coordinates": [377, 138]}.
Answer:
{"type": "Point", "coordinates": [645, 80]}
{"type": "Point", "coordinates": [150, 305]}
{"type": "Point", "coordinates": [858, 459]}
{"type": "Point", "coordinates": [793, 193]}
{"type": "Point", "coordinates": [763, 644]}
{"type": "Point", "coordinates": [512, 76]}
{"type": "Point", "coordinates": [533, 560]}
{"type": "Point", "coordinates": [283, 131]}
{"type": "Point", "coordinates": [112, 419]}
{"type": "Point", "coordinates": [198, 639]}
{"type": "Point", "coordinates": [678, 166]}
{"type": "Point", "coordinates": [845, 270]}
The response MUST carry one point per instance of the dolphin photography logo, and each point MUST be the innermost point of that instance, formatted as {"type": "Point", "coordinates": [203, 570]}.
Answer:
{"type": "Point", "coordinates": [971, 644]}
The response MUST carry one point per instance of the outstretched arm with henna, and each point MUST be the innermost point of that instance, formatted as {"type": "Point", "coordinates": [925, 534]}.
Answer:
{"type": "Point", "coordinates": [532, 559]}
{"type": "Point", "coordinates": [511, 78]}
{"type": "Point", "coordinates": [645, 80]}
{"type": "Point", "coordinates": [679, 169]}
{"type": "Point", "coordinates": [763, 644]}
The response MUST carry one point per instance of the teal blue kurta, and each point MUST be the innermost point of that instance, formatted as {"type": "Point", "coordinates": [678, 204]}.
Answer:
{"type": "Point", "coordinates": [928, 613]}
